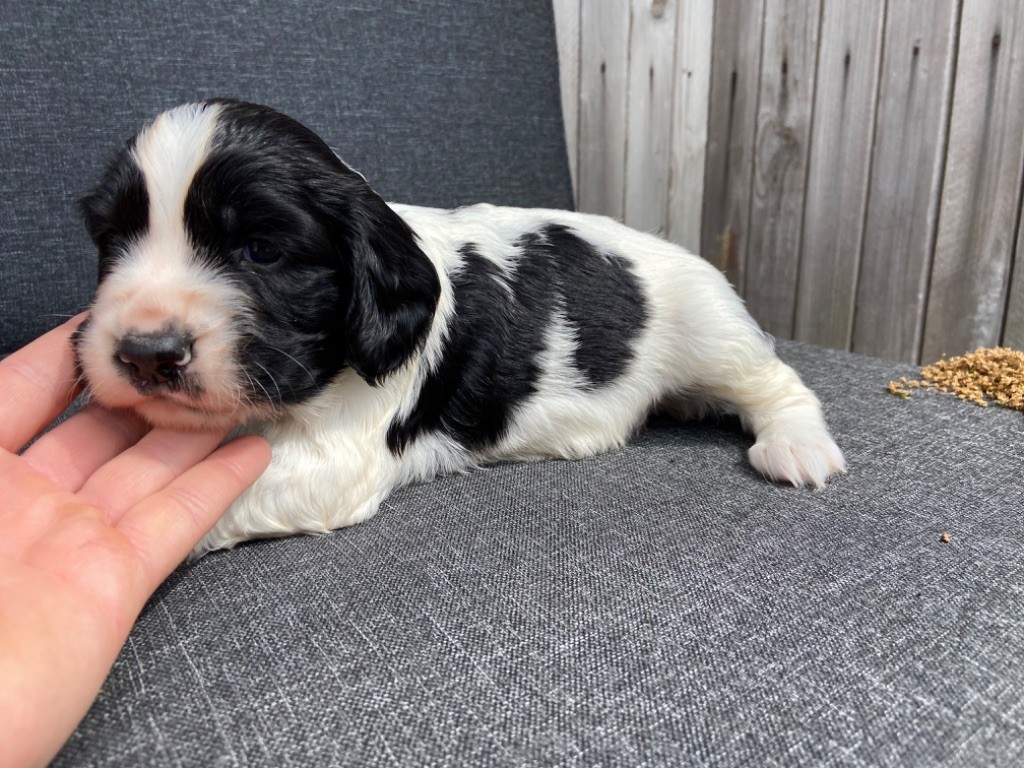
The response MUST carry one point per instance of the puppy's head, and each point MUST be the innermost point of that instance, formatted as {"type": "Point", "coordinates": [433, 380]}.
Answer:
{"type": "Point", "coordinates": [242, 267]}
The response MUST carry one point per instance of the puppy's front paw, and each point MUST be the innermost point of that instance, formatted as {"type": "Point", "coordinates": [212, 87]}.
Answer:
{"type": "Point", "coordinates": [799, 459]}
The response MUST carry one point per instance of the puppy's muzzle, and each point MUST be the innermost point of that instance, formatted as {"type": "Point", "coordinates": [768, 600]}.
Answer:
{"type": "Point", "coordinates": [154, 359]}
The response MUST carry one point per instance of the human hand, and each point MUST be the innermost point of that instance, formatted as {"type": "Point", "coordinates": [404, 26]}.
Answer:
{"type": "Point", "coordinates": [93, 516]}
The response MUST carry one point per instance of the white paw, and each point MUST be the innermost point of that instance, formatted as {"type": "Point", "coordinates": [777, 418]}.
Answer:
{"type": "Point", "coordinates": [799, 459]}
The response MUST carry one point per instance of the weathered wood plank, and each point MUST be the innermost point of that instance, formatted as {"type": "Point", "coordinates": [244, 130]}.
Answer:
{"type": "Point", "coordinates": [837, 180]}
{"type": "Point", "coordinates": [980, 197]}
{"type": "Point", "coordinates": [732, 116]}
{"type": "Point", "coordinates": [567, 32]}
{"type": "Point", "coordinates": [694, 33]}
{"type": "Point", "coordinates": [1013, 328]}
{"type": "Point", "coordinates": [914, 94]}
{"type": "Point", "coordinates": [604, 62]}
{"type": "Point", "coordinates": [788, 63]}
{"type": "Point", "coordinates": [649, 112]}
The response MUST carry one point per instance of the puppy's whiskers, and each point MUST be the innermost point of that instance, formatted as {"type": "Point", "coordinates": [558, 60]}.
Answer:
{"type": "Point", "coordinates": [280, 397]}
{"type": "Point", "coordinates": [252, 388]}
{"type": "Point", "coordinates": [312, 378]}
{"type": "Point", "coordinates": [239, 396]}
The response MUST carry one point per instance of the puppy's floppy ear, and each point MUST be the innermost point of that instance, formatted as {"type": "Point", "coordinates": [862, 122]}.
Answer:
{"type": "Point", "coordinates": [394, 288]}
{"type": "Point", "coordinates": [95, 213]}
{"type": "Point", "coordinates": [119, 204]}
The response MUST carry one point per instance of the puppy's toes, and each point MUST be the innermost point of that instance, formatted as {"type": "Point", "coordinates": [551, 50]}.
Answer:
{"type": "Point", "coordinates": [799, 459]}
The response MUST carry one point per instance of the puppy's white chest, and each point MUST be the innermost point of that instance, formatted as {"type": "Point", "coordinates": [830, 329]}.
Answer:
{"type": "Point", "coordinates": [330, 468]}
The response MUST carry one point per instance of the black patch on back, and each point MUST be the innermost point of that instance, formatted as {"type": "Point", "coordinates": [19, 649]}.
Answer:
{"type": "Point", "coordinates": [603, 301]}
{"type": "Point", "coordinates": [489, 364]}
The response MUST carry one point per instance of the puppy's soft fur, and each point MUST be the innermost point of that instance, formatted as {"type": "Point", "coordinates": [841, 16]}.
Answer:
{"type": "Point", "coordinates": [250, 279]}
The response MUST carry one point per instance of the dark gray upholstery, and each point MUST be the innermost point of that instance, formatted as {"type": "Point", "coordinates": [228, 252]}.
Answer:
{"type": "Point", "coordinates": [662, 605]}
{"type": "Point", "coordinates": [436, 102]}
{"type": "Point", "coordinates": [659, 606]}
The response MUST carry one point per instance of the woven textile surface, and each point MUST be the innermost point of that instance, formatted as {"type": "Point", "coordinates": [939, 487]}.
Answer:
{"type": "Point", "coordinates": [437, 103]}
{"type": "Point", "coordinates": [661, 605]}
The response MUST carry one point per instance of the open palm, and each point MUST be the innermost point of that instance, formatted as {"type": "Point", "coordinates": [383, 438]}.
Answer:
{"type": "Point", "coordinates": [93, 516]}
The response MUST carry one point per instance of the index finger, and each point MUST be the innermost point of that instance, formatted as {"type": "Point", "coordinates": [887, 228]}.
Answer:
{"type": "Point", "coordinates": [36, 384]}
{"type": "Point", "coordinates": [164, 527]}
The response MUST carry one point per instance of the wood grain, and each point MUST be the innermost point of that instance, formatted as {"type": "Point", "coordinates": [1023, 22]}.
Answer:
{"type": "Point", "coordinates": [981, 190]}
{"type": "Point", "coordinates": [867, 195]}
{"type": "Point", "coordinates": [604, 63]}
{"type": "Point", "coordinates": [689, 137]}
{"type": "Point", "coordinates": [914, 93]}
{"type": "Point", "coordinates": [1013, 326]}
{"type": "Point", "coordinates": [789, 58]}
{"type": "Point", "coordinates": [649, 112]}
{"type": "Point", "coordinates": [840, 160]}
{"type": "Point", "coordinates": [732, 117]}
{"type": "Point", "coordinates": [567, 31]}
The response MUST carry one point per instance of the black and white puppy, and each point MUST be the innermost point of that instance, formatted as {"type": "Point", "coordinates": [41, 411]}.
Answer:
{"type": "Point", "coordinates": [249, 278]}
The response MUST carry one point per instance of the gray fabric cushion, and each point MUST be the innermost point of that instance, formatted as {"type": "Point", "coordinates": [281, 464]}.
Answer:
{"type": "Point", "coordinates": [660, 605]}
{"type": "Point", "coordinates": [437, 103]}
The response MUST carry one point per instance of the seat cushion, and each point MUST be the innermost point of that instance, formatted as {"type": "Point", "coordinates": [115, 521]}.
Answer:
{"type": "Point", "coordinates": [437, 103]}
{"type": "Point", "coordinates": [659, 605]}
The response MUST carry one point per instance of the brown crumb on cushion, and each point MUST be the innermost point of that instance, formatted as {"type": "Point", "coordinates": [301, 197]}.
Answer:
{"type": "Point", "coordinates": [944, 538]}
{"type": "Point", "coordinates": [982, 377]}
{"type": "Point", "coordinates": [899, 388]}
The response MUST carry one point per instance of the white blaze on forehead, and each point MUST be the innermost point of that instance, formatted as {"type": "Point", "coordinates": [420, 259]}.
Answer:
{"type": "Point", "coordinates": [159, 279]}
{"type": "Point", "coordinates": [169, 152]}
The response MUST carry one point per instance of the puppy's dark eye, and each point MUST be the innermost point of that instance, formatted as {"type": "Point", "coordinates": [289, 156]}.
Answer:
{"type": "Point", "coordinates": [260, 253]}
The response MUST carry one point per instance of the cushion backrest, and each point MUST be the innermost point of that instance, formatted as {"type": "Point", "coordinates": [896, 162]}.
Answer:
{"type": "Point", "coordinates": [435, 102]}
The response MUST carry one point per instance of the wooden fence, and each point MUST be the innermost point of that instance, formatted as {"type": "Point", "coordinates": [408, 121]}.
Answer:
{"type": "Point", "coordinates": [854, 166]}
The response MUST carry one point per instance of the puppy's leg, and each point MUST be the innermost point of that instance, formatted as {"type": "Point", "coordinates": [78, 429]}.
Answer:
{"type": "Point", "coordinates": [793, 443]}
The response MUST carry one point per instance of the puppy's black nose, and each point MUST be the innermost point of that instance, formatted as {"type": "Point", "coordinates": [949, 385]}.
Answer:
{"type": "Point", "coordinates": [155, 358]}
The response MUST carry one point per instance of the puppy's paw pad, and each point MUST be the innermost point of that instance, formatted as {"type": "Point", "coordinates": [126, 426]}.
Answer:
{"type": "Point", "coordinates": [799, 460]}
